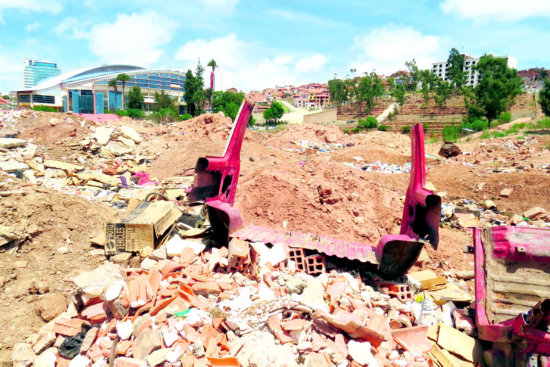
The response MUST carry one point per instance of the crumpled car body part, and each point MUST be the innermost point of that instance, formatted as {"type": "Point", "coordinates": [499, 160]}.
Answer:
{"type": "Point", "coordinates": [512, 281]}
{"type": "Point", "coordinates": [216, 180]}
{"type": "Point", "coordinates": [395, 254]}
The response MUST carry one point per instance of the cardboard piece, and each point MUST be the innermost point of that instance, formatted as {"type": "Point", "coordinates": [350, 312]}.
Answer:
{"type": "Point", "coordinates": [443, 358]}
{"type": "Point", "coordinates": [145, 228]}
{"type": "Point", "coordinates": [62, 165]}
{"type": "Point", "coordinates": [450, 293]}
{"type": "Point", "coordinates": [467, 220]}
{"type": "Point", "coordinates": [459, 343]}
{"type": "Point", "coordinates": [426, 279]}
{"type": "Point", "coordinates": [99, 177]}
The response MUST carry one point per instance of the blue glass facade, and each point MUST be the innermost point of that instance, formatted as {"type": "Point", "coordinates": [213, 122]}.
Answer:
{"type": "Point", "coordinates": [164, 81]}
{"type": "Point", "coordinates": [37, 71]}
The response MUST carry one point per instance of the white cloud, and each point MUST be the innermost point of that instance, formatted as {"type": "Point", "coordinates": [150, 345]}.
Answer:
{"type": "Point", "coordinates": [32, 26]}
{"type": "Point", "coordinates": [132, 39]}
{"type": "Point", "coordinates": [242, 67]}
{"type": "Point", "coordinates": [53, 6]}
{"type": "Point", "coordinates": [387, 48]}
{"type": "Point", "coordinates": [497, 9]}
{"type": "Point", "coordinates": [11, 74]}
{"type": "Point", "coordinates": [221, 5]}
{"type": "Point", "coordinates": [71, 27]}
{"type": "Point", "coordinates": [311, 63]}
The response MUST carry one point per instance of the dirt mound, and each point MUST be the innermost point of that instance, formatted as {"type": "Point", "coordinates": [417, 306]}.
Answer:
{"type": "Point", "coordinates": [215, 126]}
{"type": "Point", "coordinates": [321, 197]}
{"type": "Point", "coordinates": [58, 228]}
{"type": "Point", "coordinates": [319, 134]}
{"type": "Point", "coordinates": [48, 132]}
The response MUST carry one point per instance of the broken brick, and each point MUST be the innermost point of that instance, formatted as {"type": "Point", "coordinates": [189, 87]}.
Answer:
{"type": "Point", "coordinates": [69, 327]}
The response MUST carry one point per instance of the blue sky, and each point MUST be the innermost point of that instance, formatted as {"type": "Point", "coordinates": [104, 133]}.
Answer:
{"type": "Point", "coordinates": [260, 44]}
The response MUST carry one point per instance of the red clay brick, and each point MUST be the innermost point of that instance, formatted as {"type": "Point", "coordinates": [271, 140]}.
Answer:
{"type": "Point", "coordinates": [69, 327]}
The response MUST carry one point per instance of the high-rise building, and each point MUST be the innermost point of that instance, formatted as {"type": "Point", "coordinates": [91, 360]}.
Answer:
{"type": "Point", "coordinates": [441, 69]}
{"type": "Point", "coordinates": [36, 71]}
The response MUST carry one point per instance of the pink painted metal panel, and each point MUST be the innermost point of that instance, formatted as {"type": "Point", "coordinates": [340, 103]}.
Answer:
{"type": "Point", "coordinates": [513, 252]}
{"type": "Point", "coordinates": [216, 180]}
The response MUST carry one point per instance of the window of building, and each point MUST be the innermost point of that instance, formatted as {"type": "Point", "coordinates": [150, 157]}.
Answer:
{"type": "Point", "coordinates": [25, 98]}
{"type": "Point", "coordinates": [37, 98]}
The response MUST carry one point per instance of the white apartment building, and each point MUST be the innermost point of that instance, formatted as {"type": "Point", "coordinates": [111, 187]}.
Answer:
{"type": "Point", "coordinates": [441, 69]}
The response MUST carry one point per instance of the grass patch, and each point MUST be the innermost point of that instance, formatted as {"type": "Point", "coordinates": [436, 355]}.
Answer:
{"type": "Point", "coordinates": [44, 108]}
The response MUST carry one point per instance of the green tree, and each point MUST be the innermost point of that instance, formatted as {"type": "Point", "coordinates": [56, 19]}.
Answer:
{"type": "Point", "coordinates": [123, 78]}
{"type": "Point", "coordinates": [497, 87]}
{"type": "Point", "coordinates": [543, 74]}
{"type": "Point", "coordinates": [428, 81]}
{"type": "Point", "coordinates": [194, 94]}
{"type": "Point", "coordinates": [414, 76]}
{"type": "Point", "coordinates": [135, 98]}
{"type": "Point", "coordinates": [391, 81]}
{"type": "Point", "coordinates": [398, 92]}
{"type": "Point", "coordinates": [113, 83]}
{"type": "Point", "coordinates": [212, 63]}
{"type": "Point", "coordinates": [227, 102]}
{"type": "Point", "coordinates": [456, 68]}
{"type": "Point", "coordinates": [274, 112]}
{"type": "Point", "coordinates": [338, 91]}
{"type": "Point", "coordinates": [443, 91]}
{"type": "Point", "coordinates": [544, 98]}
{"type": "Point", "coordinates": [163, 101]}
{"type": "Point", "coordinates": [369, 89]}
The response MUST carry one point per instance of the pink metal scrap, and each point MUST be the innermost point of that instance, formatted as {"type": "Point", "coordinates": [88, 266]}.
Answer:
{"type": "Point", "coordinates": [395, 254]}
{"type": "Point", "coordinates": [216, 180]}
{"type": "Point", "coordinates": [512, 279]}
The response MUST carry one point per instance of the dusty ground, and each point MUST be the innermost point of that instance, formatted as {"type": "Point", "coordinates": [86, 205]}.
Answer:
{"type": "Point", "coordinates": [283, 181]}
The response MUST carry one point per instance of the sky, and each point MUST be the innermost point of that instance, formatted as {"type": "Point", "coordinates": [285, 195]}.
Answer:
{"type": "Point", "coordinates": [259, 44]}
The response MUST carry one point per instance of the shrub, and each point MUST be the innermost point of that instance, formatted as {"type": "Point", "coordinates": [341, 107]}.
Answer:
{"type": "Point", "coordinates": [486, 135]}
{"type": "Point", "coordinates": [406, 129]}
{"type": "Point", "coordinates": [504, 117]}
{"type": "Point", "coordinates": [121, 113]}
{"type": "Point", "coordinates": [44, 109]}
{"type": "Point", "coordinates": [480, 125]}
{"type": "Point", "coordinates": [452, 133]}
{"type": "Point", "coordinates": [383, 127]}
{"type": "Point", "coordinates": [356, 129]}
{"type": "Point", "coordinates": [393, 113]}
{"type": "Point", "coordinates": [135, 113]}
{"type": "Point", "coordinates": [368, 123]}
{"type": "Point", "coordinates": [186, 117]}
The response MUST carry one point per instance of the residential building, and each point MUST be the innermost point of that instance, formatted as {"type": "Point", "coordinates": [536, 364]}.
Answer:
{"type": "Point", "coordinates": [441, 69]}
{"type": "Point", "coordinates": [36, 71]}
{"type": "Point", "coordinates": [87, 90]}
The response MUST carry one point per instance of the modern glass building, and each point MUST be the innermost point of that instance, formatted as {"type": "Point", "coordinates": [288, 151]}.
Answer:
{"type": "Point", "coordinates": [37, 71]}
{"type": "Point", "coordinates": [87, 90]}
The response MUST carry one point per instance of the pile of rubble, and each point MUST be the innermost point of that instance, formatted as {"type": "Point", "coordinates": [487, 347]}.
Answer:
{"type": "Point", "coordinates": [207, 125]}
{"type": "Point", "coordinates": [248, 304]}
{"type": "Point", "coordinates": [308, 136]}
{"type": "Point", "coordinates": [465, 213]}
{"type": "Point", "coordinates": [379, 166]}
{"type": "Point", "coordinates": [109, 164]}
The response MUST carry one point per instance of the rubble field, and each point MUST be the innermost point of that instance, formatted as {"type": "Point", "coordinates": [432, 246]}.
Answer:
{"type": "Point", "coordinates": [194, 302]}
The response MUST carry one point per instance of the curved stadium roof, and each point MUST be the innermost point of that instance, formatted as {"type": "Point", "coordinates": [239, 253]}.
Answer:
{"type": "Point", "coordinates": [93, 73]}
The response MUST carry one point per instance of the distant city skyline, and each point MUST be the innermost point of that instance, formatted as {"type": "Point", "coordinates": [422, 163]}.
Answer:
{"type": "Point", "coordinates": [260, 44]}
